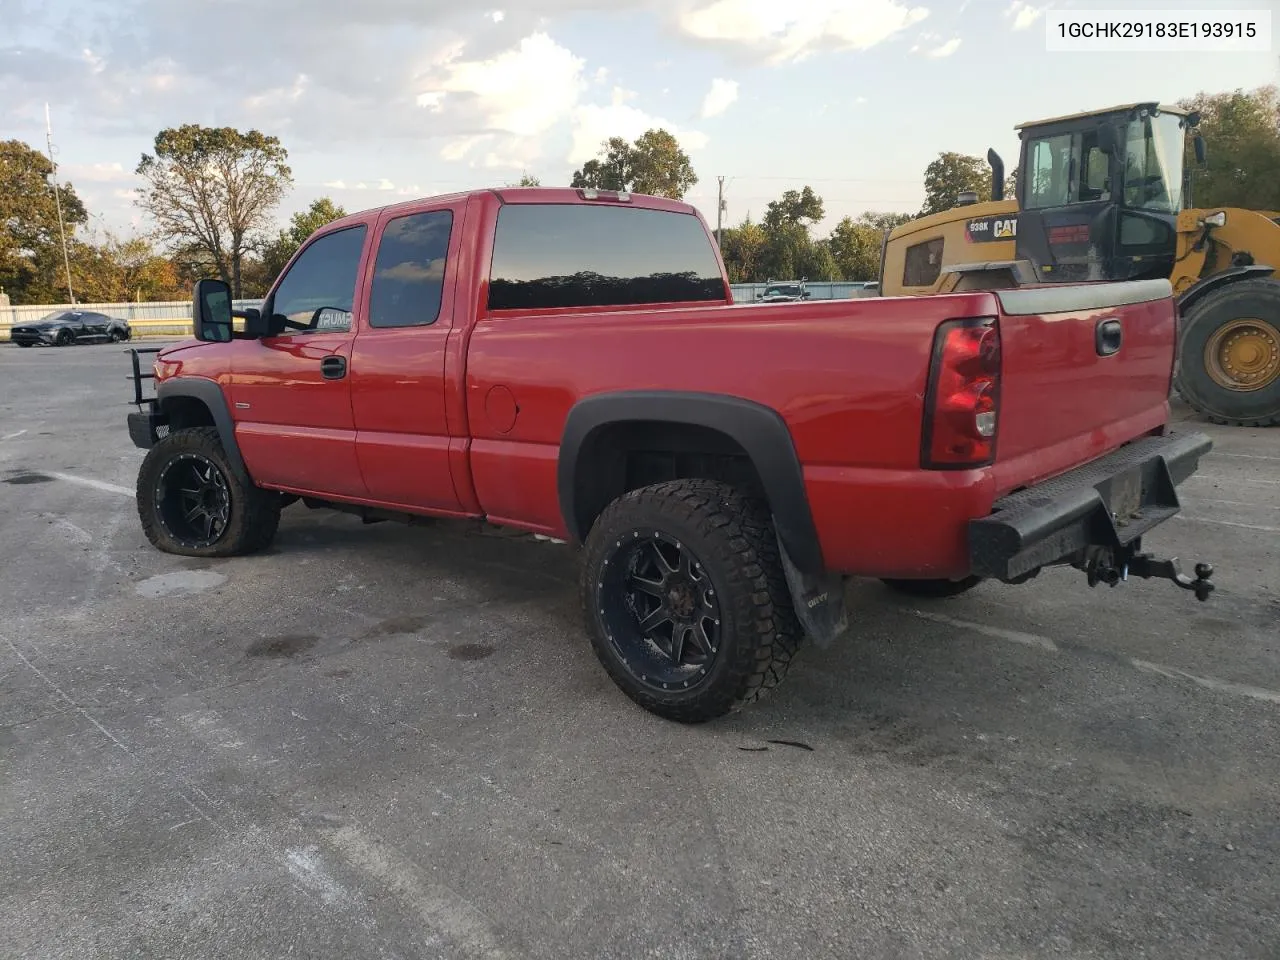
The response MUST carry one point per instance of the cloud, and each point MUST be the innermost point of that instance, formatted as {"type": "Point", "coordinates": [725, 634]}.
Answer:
{"type": "Point", "coordinates": [497, 16]}
{"type": "Point", "coordinates": [781, 32]}
{"type": "Point", "coordinates": [593, 124]}
{"type": "Point", "coordinates": [1023, 14]}
{"type": "Point", "coordinates": [946, 50]}
{"type": "Point", "coordinates": [523, 91]}
{"type": "Point", "coordinates": [94, 172]}
{"type": "Point", "coordinates": [720, 97]}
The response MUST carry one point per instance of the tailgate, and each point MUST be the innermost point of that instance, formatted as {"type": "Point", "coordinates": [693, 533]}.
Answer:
{"type": "Point", "coordinates": [1085, 368]}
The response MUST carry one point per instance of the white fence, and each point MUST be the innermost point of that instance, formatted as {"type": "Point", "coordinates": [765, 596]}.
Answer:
{"type": "Point", "coordinates": [172, 318]}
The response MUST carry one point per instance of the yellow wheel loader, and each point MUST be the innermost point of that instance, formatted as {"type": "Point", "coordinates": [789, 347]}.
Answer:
{"type": "Point", "coordinates": [1104, 196]}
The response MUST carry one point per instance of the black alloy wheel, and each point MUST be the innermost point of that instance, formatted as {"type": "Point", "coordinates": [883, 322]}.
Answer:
{"type": "Point", "coordinates": [661, 610]}
{"type": "Point", "coordinates": [194, 500]}
{"type": "Point", "coordinates": [65, 338]}
{"type": "Point", "coordinates": [685, 600]}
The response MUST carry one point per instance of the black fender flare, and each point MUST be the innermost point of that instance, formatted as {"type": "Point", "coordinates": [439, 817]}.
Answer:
{"type": "Point", "coordinates": [757, 429]}
{"type": "Point", "coordinates": [210, 394]}
{"type": "Point", "coordinates": [1197, 291]}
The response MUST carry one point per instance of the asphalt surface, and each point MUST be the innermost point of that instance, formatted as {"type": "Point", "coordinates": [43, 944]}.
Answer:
{"type": "Point", "coordinates": [394, 742]}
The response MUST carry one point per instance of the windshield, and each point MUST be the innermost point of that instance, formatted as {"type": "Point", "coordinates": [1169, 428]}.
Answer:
{"type": "Point", "coordinates": [1153, 164]}
{"type": "Point", "coordinates": [55, 316]}
{"type": "Point", "coordinates": [782, 292]}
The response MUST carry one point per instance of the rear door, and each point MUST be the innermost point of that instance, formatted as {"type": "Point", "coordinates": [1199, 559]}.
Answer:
{"type": "Point", "coordinates": [398, 359]}
{"type": "Point", "coordinates": [292, 392]}
{"type": "Point", "coordinates": [1084, 368]}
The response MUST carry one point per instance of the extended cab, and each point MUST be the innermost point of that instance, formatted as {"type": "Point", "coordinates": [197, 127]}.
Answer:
{"type": "Point", "coordinates": [571, 363]}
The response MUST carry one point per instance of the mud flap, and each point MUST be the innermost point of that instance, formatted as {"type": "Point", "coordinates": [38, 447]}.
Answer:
{"type": "Point", "coordinates": [818, 602]}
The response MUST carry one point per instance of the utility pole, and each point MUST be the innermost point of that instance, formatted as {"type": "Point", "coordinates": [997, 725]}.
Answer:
{"type": "Point", "coordinates": [57, 200]}
{"type": "Point", "coordinates": [719, 207]}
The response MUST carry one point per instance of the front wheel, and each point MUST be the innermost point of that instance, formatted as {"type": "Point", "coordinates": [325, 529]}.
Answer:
{"type": "Point", "coordinates": [66, 338]}
{"type": "Point", "coordinates": [193, 504]}
{"type": "Point", "coordinates": [685, 600]}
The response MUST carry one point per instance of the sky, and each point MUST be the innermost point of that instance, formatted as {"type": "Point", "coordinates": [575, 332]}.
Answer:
{"type": "Point", "coordinates": [381, 100]}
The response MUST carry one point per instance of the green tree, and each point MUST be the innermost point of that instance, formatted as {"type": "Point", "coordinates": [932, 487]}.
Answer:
{"type": "Point", "coordinates": [742, 248]}
{"type": "Point", "coordinates": [116, 271]}
{"type": "Point", "coordinates": [212, 190]}
{"type": "Point", "coordinates": [31, 264]}
{"type": "Point", "coordinates": [301, 225]}
{"type": "Point", "coordinates": [526, 180]}
{"type": "Point", "coordinates": [952, 174]}
{"type": "Point", "coordinates": [654, 164]}
{"type": "Point", "coordinates": [802, 207]}
{"type": "Point", "coordinates": [855, 244]}
{"type": "Point", "coordinates": [1242, 138]}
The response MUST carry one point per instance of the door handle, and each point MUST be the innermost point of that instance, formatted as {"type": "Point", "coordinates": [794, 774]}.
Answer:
{"type": "Point", "coordinates": [333, 368]}
{"type": "Point", "coordinates": [1107, 337]}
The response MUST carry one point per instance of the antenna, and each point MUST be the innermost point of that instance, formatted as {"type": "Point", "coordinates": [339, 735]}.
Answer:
{"type": "Point", "coordinates": [57, 200]}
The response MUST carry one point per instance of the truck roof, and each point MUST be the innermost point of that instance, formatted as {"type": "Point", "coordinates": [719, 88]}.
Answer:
{"type": "Point", "coordinates": [528, 195]}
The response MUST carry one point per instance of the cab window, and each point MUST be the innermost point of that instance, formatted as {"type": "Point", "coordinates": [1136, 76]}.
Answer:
{"type": "Point", "coordinates": [319, 289]}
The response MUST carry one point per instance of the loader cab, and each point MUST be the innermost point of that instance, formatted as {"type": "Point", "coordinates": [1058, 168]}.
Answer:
{"type": "Point", "coordinates": [1099, 193]}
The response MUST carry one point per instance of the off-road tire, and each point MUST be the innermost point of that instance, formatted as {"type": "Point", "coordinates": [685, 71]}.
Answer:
{"type": "Point", "coordinates": [734, 539]}
{"type": "Point", "coordinates": [254, 514]}
{"type": "Point", "coordinates": [932, 589]}
{"type": "Point", "coordinates": [1242, 298]}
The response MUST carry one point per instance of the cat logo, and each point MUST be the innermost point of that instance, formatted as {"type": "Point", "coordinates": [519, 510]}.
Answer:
{"type": "Point", "coordinates": [991, 229]}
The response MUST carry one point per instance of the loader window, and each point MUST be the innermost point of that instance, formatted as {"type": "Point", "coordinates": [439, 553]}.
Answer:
{"type": "Point", "coordinates": [1153, 164]}
{"type": "Point", "coordinates": [923, 264]}
{"type": "Point", "coordinates": [1050, 169]}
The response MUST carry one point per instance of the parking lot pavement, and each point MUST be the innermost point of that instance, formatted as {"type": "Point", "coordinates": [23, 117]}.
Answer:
{"type": "Point", "coordinates": [381, 741]}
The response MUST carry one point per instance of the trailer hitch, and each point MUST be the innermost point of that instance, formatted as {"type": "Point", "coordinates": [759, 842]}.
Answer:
{"type": "Point", "coordinates": [1104, 567]}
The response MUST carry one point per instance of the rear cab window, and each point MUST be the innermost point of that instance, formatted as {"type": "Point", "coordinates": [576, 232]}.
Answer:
{"type": "Point", "coordinates": [561, 256]}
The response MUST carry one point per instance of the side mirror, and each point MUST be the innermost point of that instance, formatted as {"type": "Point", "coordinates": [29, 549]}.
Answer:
{"type": "Point", "coordinates": [1197, 144]}
{"type": "Point", "coordinates": [1108, 139]}
{"type": "Point", "coordinates": [211, 311]}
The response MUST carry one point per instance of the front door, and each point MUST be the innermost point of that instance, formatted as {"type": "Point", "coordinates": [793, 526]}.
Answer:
{"type": "Point", "coordinates": [292, 391]}
{"type": "Point", "coordinates": [1062, 225]}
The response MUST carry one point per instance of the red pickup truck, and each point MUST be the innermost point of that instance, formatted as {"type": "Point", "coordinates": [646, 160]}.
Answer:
{"type": "Point", "coordinates": [571, 363]}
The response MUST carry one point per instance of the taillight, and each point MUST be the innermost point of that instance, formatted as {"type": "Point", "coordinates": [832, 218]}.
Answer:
{"type": "Point", "coordinates": [962, 402]}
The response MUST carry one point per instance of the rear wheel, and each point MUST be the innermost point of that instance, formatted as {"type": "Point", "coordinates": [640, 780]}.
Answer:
{"type": "Point", "coordinates": [935, 589]}
{"type": "Point", "coordinates": [192, 502]}
{"type": "Point", "coordinates": [685, 600]}
{"type": "Point", "coordinates": [1230, 354]}
{"type": "Point", "coordinates": [115, 336]}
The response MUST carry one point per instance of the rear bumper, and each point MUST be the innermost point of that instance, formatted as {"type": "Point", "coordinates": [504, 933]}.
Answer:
{"type": "Point", "coordinates": [1110, 502]}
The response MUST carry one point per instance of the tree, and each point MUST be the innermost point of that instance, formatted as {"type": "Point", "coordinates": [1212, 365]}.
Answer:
{"type": "Point", "coordinates": [654, 164]}
{"type": "Point", "coordinates": [526, 180]}
{"type": "Point", "coordinates": [301, 225]}
{"type": "Point", "coordinates": [742, 248]}
{"type": "Point", "coordinates": [802, 207]}
{"type": "Point", "coordinates": [1242, 139]}
{"type": "Point", "coordinates": [116, 271]}
{"type": "Point", "coordinates": [31, 264]}
{"type": "Point", "coordinates": [211, 191]}
{"type": "Point", "coordinates": [855, 244]}
{"type": "Point", "coordinates": [952, 174]}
